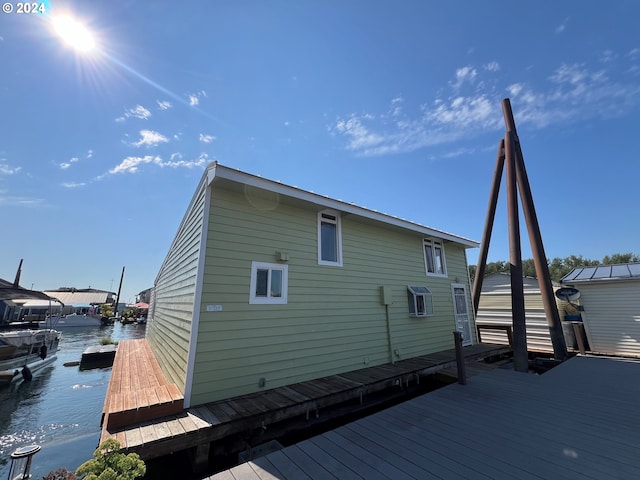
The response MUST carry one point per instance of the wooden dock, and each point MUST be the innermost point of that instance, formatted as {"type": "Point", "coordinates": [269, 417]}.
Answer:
{"type": "Point", "coordinates": [138, 390]}
{"type": "Point", "coordinates": [157, 429]}
{"type": "Point", "coordinates": [577, 421]}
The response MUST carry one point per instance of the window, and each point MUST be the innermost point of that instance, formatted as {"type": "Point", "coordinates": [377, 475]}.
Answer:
{"type": "Point", "coordinates": [329, 238]}
{"type": "Point", "coordinates": [420, 301]}
{"type": "Point", "coordinates": [268, 283]}
{"type": "Point", "coordinates": [434, 257]}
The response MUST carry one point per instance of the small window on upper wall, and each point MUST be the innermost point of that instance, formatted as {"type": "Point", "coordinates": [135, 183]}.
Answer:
{"type": "Point", "coordinates": [329, 238]}
{"type": "Point", "coordinates": [269, 282]}
{"type": "Point", "coordinates": [434, 257]}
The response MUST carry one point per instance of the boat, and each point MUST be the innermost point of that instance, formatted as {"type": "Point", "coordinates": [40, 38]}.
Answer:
{"type": "Point", "coordinates": [73, 320]}
{"type": "Point", "coordinates": [25, 352]}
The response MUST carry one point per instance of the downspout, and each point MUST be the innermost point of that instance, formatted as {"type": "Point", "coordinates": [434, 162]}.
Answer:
{"type": "Point", "coordinates": [386, 307]}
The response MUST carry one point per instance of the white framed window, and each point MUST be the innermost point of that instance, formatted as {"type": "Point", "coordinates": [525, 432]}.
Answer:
{"type": "Point", "coordinates": [329, 238]}
{"type": "Point", "coordinates": [420, 301]}
{"type": "Point", "coordinates": [434, 261]}
{"type": "Point", "coordinates": [269, 283]}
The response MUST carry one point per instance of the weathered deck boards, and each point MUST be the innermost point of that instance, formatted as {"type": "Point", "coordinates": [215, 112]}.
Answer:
{"type": "Point", "coordinates": [577, 421]}
{"type": "Point", "coordinates": [202, 424]}
{"type": "Point", "coordinates": [138, 390]}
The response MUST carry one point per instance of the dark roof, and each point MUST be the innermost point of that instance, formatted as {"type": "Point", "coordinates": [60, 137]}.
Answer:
{"type": "Point", "coordinates": [600, 273]}
{"type": "Point", "coordinates": [9, 292]}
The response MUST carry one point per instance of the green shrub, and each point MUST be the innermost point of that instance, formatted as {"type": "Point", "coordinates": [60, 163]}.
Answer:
{"type": "Point", "coordinates": [109, 464]}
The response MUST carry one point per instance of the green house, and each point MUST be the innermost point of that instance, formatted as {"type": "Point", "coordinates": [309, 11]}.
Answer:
{"type": "Point", "coordinates": [267, 285]}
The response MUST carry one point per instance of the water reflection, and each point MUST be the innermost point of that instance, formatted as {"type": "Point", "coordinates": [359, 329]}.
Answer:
{"type": "Point", "coordinates": [60, 408]}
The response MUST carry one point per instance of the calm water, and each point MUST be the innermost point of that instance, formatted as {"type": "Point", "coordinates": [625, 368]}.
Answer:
{"type": "Point", "coordinates": [60, 408]}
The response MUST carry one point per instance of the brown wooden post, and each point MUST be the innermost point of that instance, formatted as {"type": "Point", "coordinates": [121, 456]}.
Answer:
{"type": "Point", "coordinates": [462, 374]}
{"type": "Point", "coordinates": [488, 228]}
{"type": "Point", "coordinates": [520, 355]}
{"type": "Point", "coordinates": [535, 238]}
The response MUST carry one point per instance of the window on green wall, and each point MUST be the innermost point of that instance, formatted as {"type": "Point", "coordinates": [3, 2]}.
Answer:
{"type": "Point", "coordinates": [420, 301]}
{"type": "Point", "coordinates": [269, 282]}
{"type": "Point", "coordinates": [434, 257]}
{"type": "Point", "coordinates": [329, 238]}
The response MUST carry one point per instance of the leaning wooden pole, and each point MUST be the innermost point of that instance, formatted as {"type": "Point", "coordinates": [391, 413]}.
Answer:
{"type": "Point", "coordinates": [115, 310]}
{"type": "Point", "coordinates": [520, 355]}
{"type": "Point", "coordinates": [537, 247]}
{"type": "Point", "coordinates": [488, 227]}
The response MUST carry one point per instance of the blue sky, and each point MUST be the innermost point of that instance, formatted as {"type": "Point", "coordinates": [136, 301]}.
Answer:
{"type": "Point", "coordinates": [392, 105]}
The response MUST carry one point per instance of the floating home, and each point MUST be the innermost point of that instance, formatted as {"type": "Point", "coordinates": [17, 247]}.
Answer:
{"type": "Point", "coordinates": [609, 301]}
{"type": "Point", "coordinates": [266, 285]}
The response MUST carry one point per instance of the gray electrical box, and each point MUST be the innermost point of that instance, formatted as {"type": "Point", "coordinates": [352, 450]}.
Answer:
{"type": "Point", "coordinates": [386, 295]}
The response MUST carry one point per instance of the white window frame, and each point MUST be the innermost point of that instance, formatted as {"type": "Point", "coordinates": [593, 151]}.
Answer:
{"type": "Point", "coordinates": [268, 299]}
{"type": "Point", "coordinates": [433, 244]}
{"type": "Point", "coordinates": [413, 294]}
{"type": "Point", "coordinates": [338, 223]}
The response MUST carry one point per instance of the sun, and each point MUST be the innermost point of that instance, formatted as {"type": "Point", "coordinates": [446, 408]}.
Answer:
{"type": "Point", "coordinates": [74, 33]}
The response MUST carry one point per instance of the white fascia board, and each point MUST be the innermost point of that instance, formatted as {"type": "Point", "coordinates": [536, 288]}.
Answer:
{"type": "Point", "coordinates": [215, 170]}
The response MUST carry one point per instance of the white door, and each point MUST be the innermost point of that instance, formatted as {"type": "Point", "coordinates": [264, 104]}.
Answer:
{"type": "Point", "coordinates": [461, 312]}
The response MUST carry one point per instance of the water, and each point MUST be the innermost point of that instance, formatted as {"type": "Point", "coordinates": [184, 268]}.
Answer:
{"type": "Point", "coordinates": [60, 408]}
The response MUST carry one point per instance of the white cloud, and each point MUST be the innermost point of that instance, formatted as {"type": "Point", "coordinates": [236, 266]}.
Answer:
{"type": "Point", "coordinates": [137, 112]}
{"type": "Point", "coordinates": [164, 105]}
{"type": "Point", "coordinates": [65, 165]}
{"type": "Point", "coordinates": [194, 98]}
{"type": "Point", "coordinates": [150, 138]}
{"type": "Point", "coordinates": [206, 138]}
{"type": "Point", "coordinates": [89, 153]}
{"type": "Point", "coordinates": [465, 74]}
{"type": "Point", "coordinates": [74, 184]}
{"type": "Point", "coordinates": [492, 66]}
{"type": "Point", "coordinates": [7, 170]}
{"type": "Point", "coordinates": [563, 26]}
{"type": "Point", "coordinates": [570, 93]}
{"type": "Point", "coordinates": [131, 164]}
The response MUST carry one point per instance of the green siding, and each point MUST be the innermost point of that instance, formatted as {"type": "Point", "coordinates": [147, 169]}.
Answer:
{"type": "Point", "coordinates": [169, 327]}
{"type": "Point", "coordinates": [334, 320]}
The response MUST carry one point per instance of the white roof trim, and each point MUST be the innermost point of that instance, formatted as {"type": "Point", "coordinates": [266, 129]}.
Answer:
{"type": "Point", "coordinates": [216, 170]}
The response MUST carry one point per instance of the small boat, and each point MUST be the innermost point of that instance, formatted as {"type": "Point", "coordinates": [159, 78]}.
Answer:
{"type": "Point", "coordinates": [24, 352]}
{"type": "Point", "coordinates": [73, 320]}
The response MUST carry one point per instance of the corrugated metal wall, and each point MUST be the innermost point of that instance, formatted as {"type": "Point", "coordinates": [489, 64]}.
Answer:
{"type": "Point", "coordinates": [612, 316]}
{"type": "Point", "coordinates": [495, 309]}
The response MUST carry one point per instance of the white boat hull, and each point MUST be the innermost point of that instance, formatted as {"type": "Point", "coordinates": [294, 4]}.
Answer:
{"type": "Point", "coordinates": [34, 349]}
{"type": "Point", "coordinates": [73, 320]}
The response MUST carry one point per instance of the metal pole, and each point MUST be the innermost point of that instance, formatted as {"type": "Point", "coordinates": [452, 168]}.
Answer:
{"type": "Point", "coordinates": [520, 356]}
{"type": "Point", "coordinates": [537, 247]}
{"type": "Point", "coordinates": [488, 227]}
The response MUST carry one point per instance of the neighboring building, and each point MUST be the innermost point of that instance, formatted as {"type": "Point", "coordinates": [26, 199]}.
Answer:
{"type": "Point", "coordinates": [494, 310]}
{"type": "Point", "coordinates": [267, 285]}
{"type": "Point", "coordinates": [82, 296]}
{"type": "Point", "coordinates": [144, 296]}
{"type": "Point", "coordinates": [610, 296]}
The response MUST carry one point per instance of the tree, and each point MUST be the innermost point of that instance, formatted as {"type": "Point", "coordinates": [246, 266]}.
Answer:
{"type": "Point", "coordinates": [109, 464]}
{"type": "Point", "coordinates": [558, 267]}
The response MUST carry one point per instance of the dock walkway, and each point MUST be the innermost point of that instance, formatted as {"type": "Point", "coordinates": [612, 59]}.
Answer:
{"type": "Point", "coordinates": [154, 430]}
{"type": "Point", "coordinates": [138, 389]}
{"type": "Point", "coordinates": [577, 421]}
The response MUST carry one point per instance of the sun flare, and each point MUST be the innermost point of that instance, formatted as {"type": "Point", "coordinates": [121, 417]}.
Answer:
{"type": "Point", "coordinates": [74, 33]}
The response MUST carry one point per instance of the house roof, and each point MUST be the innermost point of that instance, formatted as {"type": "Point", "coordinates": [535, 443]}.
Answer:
{"type": "Point", "coordinates": [10, 292]}
{"type": "Point", "coordinates": [603, 273]}
{"type": "Point", "coordinates": [86, 296]}
{"type": "Point", "coordinates": [216, 171]}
